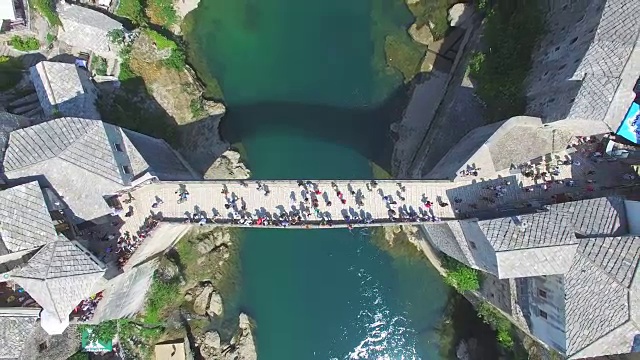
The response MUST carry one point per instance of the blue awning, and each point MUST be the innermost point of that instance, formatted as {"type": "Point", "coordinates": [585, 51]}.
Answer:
{"type": "Point", "coordinates": [630, 126]}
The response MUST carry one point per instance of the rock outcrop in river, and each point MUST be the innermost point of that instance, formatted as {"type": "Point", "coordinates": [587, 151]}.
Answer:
{"type": "Point", "coordinates": [240, 347]}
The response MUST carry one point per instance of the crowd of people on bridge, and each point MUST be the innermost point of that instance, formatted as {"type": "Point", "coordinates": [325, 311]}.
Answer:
{"type": "Point", "coordinates": [311, 207]}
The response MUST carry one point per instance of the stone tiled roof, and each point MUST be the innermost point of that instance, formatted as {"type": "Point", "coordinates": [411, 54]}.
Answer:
{"type": "Point", "coordinates": [528, 231]}
{"type": "Point", "coordinates": [25, 222]}
{"type": "Point", "coordinates": [616, 256]}
{"type": "Point", "coordinates": [58, 277]}
{"type": "Point", "coordinates": [9, 123]}
{"type": "Point", "coordinates": [16, 327]}
{"type": "Point", "coordinates": [608, 53]}
{"type": "Point", "coordinates": [604, 216]}
{"type": "Point", "coordinates": [64, 89]}
{"type": "Point", "coordinates": [87, 29]}
{"type": "Point", "coordinates": [600, 280]}
{"type": "Point", "coordinates": [595, 304]}
{"type": "Point", "coordinates": [81, 142]}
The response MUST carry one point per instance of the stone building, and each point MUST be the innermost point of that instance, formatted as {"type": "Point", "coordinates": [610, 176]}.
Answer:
{"type": "Point", "coordinates": [66, 153]}
{"type": "Point", "coordinates": [64, 90]}
{"type": "Point", "coordinates": [86, 30]}
{"type": "Point", "coordinates": [587, 62]}
{"type": "Point", "coordinates": [573, 268]}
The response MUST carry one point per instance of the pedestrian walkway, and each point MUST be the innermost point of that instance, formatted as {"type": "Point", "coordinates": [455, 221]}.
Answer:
{"type": "Point", "coordinates": [348, 203]}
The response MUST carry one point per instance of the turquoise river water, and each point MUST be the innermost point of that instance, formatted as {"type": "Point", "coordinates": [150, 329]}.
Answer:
{"type": "Point", "coordinates": [307, 99]}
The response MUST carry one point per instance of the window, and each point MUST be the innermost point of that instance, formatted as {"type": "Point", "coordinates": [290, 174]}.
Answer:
{"type": "Point", "coordinates": [542, 293]}
{"type": "Point", "coordinates": [473, 245]}
{"type": "Point", "coordinates": [43, 346]}
{"type": "Point", "coordinates": [543, 314]}
{"type": "Point", "coordinates": [127, 169]}
{"type": "Point", "coordinates": [118, 147]}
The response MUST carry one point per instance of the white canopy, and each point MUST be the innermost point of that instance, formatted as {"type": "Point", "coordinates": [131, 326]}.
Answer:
{"type": "Point", "coordinates": [51, 324]}
{"type": "Point", "coordinates": [7, 10]}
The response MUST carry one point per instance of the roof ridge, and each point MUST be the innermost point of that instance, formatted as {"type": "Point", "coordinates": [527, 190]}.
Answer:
{"type": "Point", "coordinates": [98, 124]}
{"type": "Point", "coordinates": [46, 273]}
{"type": "Point", "coordinates": [606, 273]}
{"type": "Point", "coordinates": [537, 247]}
{"type": "Point", "coordinates": [55, 306]}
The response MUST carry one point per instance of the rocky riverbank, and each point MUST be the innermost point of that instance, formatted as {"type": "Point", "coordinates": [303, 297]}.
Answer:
{"type": "Point", "coordinates": [207, 266]}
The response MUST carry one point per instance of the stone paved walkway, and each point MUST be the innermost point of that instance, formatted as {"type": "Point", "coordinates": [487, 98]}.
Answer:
{"type": "Point", "coordinates": [465, 199]}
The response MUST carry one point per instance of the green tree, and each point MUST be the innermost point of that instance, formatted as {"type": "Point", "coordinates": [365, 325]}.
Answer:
{"type": "Point", "coordinates": [24, 43]}
{"type": "Point", "coordinates": [133, 10]}
{"type": "Point", "coordinates": [492, 316]}
{"type": "Point", "coordinates": [104, 331]}
{"type": "Point", "coordinates": [460, 276]}
{"type": "Point", "coordinates": [116, 36]}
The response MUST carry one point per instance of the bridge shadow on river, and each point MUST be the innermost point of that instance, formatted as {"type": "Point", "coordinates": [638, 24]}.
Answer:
{"type": "Point", "coordinates": [363, 129]}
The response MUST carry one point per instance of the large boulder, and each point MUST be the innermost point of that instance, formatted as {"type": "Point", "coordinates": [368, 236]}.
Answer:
{"type": "Point", "coordinates": [206, 245]}
{"type": "Point", "coordinates": [459, 14]}
{"type": "Point", "coordinates": [201, 302]}
{"type": "Point", "coordinates": [228, 166]}
{"type": "Point", "coordinates": [211, 339]}
{"type": "Point", "coordinates": [421, 34]}
{"type": "Point", "coordinates": [213, 240]}
{"type": "Point", "coordinates": [245, 348]}
{"type": "Point", "coordinates": [215, 305]}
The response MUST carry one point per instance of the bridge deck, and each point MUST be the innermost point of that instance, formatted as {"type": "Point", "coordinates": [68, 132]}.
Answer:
{"type": "Point", "coordinates": [207, 197]}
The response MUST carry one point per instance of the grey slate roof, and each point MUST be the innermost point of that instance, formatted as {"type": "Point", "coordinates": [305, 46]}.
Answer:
{"type": "Point", "coordinates": [16, 326]}
{"type": "Point", "coordinates": [64, 89]}
{"type": "Point", "coordinates": [81, 142]}
{"type": "Point", "coordinates": [529, 231]}
{"type": "Point", "coordinates": [87, 29]}
{"type": "Point", "coordinates": [67, 153]}
{"type": "Point", "coordinates": [603, 216]}
{"type": "Point", "coordinates": [9, 123]}
{"type": "Point", "coordinates": [598, 294]}
{"type": "Point", "coordinates": [595, 304]}
{"type": "Point", "coordinates": [25, 222]}
{"type": "Point", "coordinates": [58, 277]}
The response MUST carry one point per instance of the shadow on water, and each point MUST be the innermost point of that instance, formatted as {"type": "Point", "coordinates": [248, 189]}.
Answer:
{"type": "Point", "coordinates": [365, 129]}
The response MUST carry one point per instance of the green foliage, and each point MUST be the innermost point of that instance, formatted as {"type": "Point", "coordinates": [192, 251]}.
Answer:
{"type": "Point", "coordinates": [116, 36]}
{"type": "Point", "coordinates": [197, 108]}
{"type": "Point", "coordinates": [160, 41]}
{"type": "Point", "coordinates": [482, 5]}
{"type": "Point", "coordinates": [126, 73]}
{"type": "Point", "coordinates": [460, 276]}
{"type": "Point", "coordinates": [403, 54]}
{"type": "Point", "coordinates": [511, 33]}
{"type": "Point", "coordinates": [492, 316]}
{"type": "Point", "coordinates": [104, 331]}
{"type": "Point", "coordinates": [476, 62]}
{"type": "Point", "coordinates": [163, 12]}
{"type": "Point", "coordinates": [47, 9]}
{"type": "Point", "coordinates": [133, 10]}
{"type": "Point", "coordinates": [24, 43]}
{"type": "Point", "coordinates": [177, 60]}
{"type": "Point", "coordinates": [10, 72]}
{"type": "Point", "coordinates": [99, 65]}
{"type": "Point", "coordinates": [51, 38]}
{"type": "Point", "coordinates": [432, 13]}
{"type": "Point", "coordinates": [161, 295]}
{"type": "Point", "coordinates": [79, 356]}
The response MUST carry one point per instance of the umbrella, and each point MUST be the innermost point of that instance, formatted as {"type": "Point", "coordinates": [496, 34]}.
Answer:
{"type": "Point", "coordinates": [52, 324]}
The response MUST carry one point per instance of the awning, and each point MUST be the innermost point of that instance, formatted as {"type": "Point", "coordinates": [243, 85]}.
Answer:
{"type": "Point", "coordinates": [95, 346]}
{"type": "Point", "coordinates": [630, 126]}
